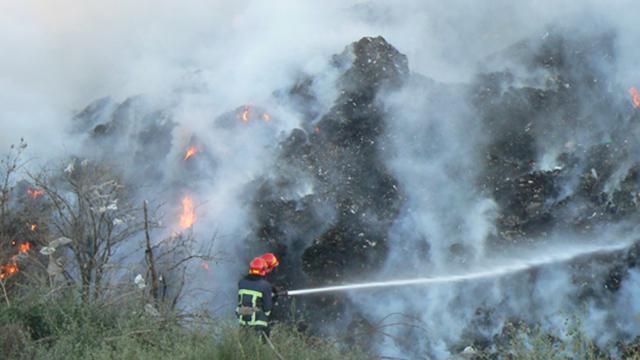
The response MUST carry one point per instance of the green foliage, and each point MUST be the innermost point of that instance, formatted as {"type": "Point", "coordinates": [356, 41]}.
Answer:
{"type": "Point", "coordinates": [61, 326]}
{"type": "Point", "coordinates": [30, 317]}
{"type": "Point", "coordinates": [66, 328]}
{"type": "Point", "coordinates": [533, 343]}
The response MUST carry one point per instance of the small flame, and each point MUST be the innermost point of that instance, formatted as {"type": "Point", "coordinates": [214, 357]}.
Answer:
{"type": "Point", "coordinates": [33, 227]}
{"type": "Point", "coordinates": [11, 267]}
{"type": "Point", "coordinates": [247, 114]}
{"type": "Point", "coordinates": [244, 116]}
{"type": "Point", "coordinates": [24, 247]}
{"type": "Point", "coordinates": [35, 193]}
{"type": "Point", "coordinates": [192, 150]}
{"type": "Point", "coordinates": [188, 215]}
{"type": "Point", "coordinates": [8, 269]}
{"type": "Point", "coordinates": [635, 96]}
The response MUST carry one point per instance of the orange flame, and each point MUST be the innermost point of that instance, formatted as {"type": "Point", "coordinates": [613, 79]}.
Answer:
{"type": "Point", "coordinates": [188, 216]}
{"type": "Point", "coordinates": [33, 227]}
{"type": "Point", "coordinates": [24, 247]}
{"type": "Point", "coordinates": [35, 193]}
{"type": "Point", "coordinates": [247, 114]}
{"type": "Point", "coordinates": [635, 96]}
{"type": "Point", "coordinates": [11, 267]}
{"type": "Point", "coordinates": [244, 116]}
{"type": "Point", "coordinates": [192, 150]}
{"type": "Point", "coordinates": [8, 269]}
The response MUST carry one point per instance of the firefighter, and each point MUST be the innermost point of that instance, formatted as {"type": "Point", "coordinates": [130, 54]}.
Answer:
{"type": "Point", "coordinates": [272, 263]}
{"type": "Point", "coordinates": [255, 298]}
{"type": "Point", "coordinates": [271, 260]}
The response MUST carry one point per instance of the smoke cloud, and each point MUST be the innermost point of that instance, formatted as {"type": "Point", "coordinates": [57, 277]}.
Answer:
{"type": "Point", "coordinates": [197, 61]}
{"type": "Point", "coordinates": [63, 56]}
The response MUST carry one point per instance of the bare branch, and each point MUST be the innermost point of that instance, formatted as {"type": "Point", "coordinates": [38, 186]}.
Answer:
{"type": "Point", "coordinates": [149, 255]}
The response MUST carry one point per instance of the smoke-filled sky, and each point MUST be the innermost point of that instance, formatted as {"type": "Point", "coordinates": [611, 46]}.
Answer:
{"type": "Point", "coordinates": [59, 56]}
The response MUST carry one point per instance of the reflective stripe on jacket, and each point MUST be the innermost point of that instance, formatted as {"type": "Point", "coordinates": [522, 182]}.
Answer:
{"type": "Point", "coordinates": [255, 292]}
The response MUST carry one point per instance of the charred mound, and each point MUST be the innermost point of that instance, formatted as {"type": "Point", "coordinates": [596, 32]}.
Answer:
{"type": "Point", "coordinates": [330, 201]}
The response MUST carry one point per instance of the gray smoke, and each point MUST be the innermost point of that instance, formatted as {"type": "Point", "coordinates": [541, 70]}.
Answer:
{"type": "Point", "coordinates": [448, 220]}
{"type": "Point", "coordinates": [196, 62]}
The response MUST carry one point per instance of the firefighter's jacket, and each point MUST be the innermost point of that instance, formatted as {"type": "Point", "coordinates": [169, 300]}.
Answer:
{"type": "Point", "coordinates": [255, 300]}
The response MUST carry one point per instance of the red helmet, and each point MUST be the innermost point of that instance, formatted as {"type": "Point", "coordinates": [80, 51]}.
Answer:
{"type": "Point", "coordinates": [258, 266]}
{"type": "Point", "coordinates": [271, 260]}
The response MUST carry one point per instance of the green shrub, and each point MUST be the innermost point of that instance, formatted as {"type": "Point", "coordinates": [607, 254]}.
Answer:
{"type": "Point", "coordinates": [65, 328]}
{"type": "Point", "coordinates": [533, 343]}
{"type": "Point", "coordinates": [62, 327]}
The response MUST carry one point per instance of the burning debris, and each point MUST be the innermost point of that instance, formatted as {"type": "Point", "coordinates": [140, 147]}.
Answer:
{"type": "Point", "coordinates": [24, 247]}
{"type": "Point", "coordinates": [191, 151]}
{"type": "Point", "coordinates": [326, 233]}
{"type": "Point", "coordinates": [244, 114]}
{"type": "Point", "coordinates": [188, 214]}
{"type": "Point", "coordinates": [8, 269]}
{"type": "Point", "coordinates": [635, 96]}
{"type": "Point", "coordinates": [204, 265]}
{"type": "Point", "coordinates": [11, 267]}
{"type": "Point", "coordinates": [198, 162]}
{"type": "Point", "coordinates": [339, 229]}
{"type": "Point", "coordinates": [247, 114]}
{"type": "Point", "coordinates": [34, 193]}
{"type": "Point", "coordinates": [330, 202]}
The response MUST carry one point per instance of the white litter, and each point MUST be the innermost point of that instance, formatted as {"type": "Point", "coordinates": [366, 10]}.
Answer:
{"type": "Point", "coordinates": [139, 281]}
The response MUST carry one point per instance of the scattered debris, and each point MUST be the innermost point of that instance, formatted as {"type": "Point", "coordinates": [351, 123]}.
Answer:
{"type": "Point", "coordinates": [139, 281]}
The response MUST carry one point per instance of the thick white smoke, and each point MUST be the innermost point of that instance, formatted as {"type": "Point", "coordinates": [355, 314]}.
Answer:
{"type": "Point", "coordinates": [206, 58]}
{"type": "Point", "coordinates": [446, 220]}
{"type": "Point", "coordinates": [58, 57]}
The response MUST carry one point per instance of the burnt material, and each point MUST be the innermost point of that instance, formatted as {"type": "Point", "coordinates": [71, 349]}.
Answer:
{"type": "Point", "coordinates": [332, 201]}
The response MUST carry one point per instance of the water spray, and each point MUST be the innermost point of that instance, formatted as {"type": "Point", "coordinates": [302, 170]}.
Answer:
{"type": "Point", "coordinates": [505, 269]}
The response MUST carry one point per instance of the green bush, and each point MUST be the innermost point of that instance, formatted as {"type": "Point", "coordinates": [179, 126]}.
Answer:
{"type": "Point", "coordinates": [42, 326]}
{"type": "Point", "coordinates": [522, 342]}
{"type": "Point", "coordinates": [65, 328]}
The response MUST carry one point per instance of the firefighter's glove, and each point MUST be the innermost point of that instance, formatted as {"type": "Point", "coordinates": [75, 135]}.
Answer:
{"type": "Point", "coordinates": [280, 291]}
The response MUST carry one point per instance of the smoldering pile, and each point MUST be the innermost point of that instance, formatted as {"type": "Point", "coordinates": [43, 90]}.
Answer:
{"type": "Point", "coordinates": [558, 149]}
